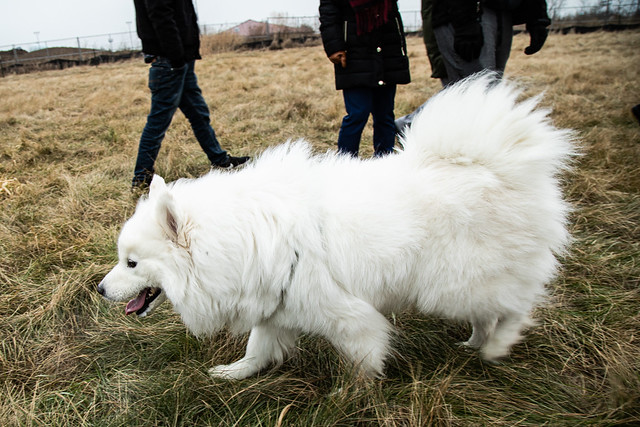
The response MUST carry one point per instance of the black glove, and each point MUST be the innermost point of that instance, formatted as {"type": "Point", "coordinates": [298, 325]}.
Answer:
{"type": "Point", "coordinates": [468, 40]}
{"type": "Point", "coordinates": [538, 32]}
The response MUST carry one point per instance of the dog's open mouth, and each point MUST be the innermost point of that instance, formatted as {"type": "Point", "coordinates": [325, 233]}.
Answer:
{"type": "Point", "coordinates": [140, 304]}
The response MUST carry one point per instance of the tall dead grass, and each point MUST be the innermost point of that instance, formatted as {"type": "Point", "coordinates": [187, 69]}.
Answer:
{"type": "Point", "coordinates": [221, 42]}
{"type": "Point", "coordinates": [68, 141]}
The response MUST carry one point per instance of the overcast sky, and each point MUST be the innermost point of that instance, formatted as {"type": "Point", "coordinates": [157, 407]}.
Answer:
{"type": "Point", "coordinates": [26, 21]}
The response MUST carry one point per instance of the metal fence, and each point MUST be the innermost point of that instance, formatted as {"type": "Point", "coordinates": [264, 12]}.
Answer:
{"type": "Point", "coordinates": [61, 53]}
{"type": "Point", "coordinates": [113, 42]}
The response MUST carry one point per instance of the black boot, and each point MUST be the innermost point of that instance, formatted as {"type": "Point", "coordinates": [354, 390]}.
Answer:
{"type": "Point", "coordinates": [232, 162]}
{"type": "Point", "coordinates": [636, 112]}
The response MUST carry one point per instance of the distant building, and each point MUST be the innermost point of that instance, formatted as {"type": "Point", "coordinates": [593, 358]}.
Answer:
{"type": "Point", "coordinates": [254, 28]}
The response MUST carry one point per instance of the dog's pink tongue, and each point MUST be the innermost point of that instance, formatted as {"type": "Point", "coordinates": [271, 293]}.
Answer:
{"type": "Point", "coordinates": [136, 303]}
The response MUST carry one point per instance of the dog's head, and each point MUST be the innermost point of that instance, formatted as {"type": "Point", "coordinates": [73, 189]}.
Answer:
{"type": "Point", "coordinates": [146, 249]}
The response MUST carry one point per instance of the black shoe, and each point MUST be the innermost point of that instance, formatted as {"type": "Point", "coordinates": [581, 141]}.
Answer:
{"type": "Point", "coordinates": [402, 123]}
{"type": "Point", "coordinates": [140, 184]}
{"type": "Point", "coordinates": [636, 112]}
{"type": "Point", "coordinates": [232, 162]}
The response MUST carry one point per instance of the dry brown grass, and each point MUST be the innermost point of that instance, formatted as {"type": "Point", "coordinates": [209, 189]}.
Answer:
{"type": "Point", "coordinates": [68, 141]}
{"type": "Point", "coordinates": [221, 42]}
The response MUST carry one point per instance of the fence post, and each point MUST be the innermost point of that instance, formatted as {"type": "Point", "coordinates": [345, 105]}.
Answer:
{"type": "Point", "coordinates": [79, 49]}
{"type": "Point", "coordinates": [15, 54]}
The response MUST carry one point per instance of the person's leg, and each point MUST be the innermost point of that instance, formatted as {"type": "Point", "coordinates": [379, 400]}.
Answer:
{"type": "Point", "coordinates": [506, 38]}
{"type": "Point", "coordinates": [403, 122]}
{"type": "Point", "coordinates": [166, 85]}
{"type": "Point", "coordinates": [358, 103]}
{"type": "Point", "coordinates": [196, 110]}
{"type": "Point", "coordinates": [457, 68]}
{"type": "Point", "coordinates": [498, 33]}
{"type": "Point", "coordinates": [384, 128]}
{"type": "Point", "coordinates": [490, 27]}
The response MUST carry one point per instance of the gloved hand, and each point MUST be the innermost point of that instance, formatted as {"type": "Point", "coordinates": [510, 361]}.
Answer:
{"type": "Point", "coordinates": [468, 40]}
{"type": "Point", "coordinates": [538, 32]}
{"type": "Point", "coordinates": [339, 58]}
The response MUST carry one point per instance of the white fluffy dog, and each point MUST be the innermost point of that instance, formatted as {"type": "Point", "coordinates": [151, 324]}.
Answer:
{"type": "Point", "coordinates": [464, 222]}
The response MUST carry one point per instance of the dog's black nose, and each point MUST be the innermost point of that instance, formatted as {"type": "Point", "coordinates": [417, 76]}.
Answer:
{"type": "Point", "coordinates": [101, 289]}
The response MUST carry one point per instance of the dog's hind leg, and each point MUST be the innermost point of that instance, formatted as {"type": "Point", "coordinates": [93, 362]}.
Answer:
{"type": "Point", "coordinates": [482, 329]}
{"type": "Point", "coordinates": [267, 344]}
{"type": "Point", "coordinates": [507, 333]}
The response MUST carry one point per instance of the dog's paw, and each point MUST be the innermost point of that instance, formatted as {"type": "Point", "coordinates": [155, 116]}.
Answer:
{"type": "Point", "coordinates": [466, 346]}
{"type": "Point", "coordinates": [493, 360]}
{"type": "Point", "coordinates": [234, 371]}
{"type": "Point", "coordinates": [221, 372]}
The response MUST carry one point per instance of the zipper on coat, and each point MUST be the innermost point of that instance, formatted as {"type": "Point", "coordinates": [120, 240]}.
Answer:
{"type": "Point", "coordinates": [402, 40]}
{"type": "Point", "coordinates": [345, 32]}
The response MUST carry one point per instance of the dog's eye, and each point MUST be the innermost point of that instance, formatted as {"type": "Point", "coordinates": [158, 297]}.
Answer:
{"type": "Point", "coordinates": [131, 264]}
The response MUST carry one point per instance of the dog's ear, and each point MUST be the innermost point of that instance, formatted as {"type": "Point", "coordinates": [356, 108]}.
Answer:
{"type": "Point", "coordinates": [167, 215]}
{"type": "Point", "coordinates": [166, 211]}
{"type": "Point", "coordinates": [157, 186]}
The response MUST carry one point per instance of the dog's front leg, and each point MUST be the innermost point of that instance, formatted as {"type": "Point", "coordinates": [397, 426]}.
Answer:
{"type": "Point", "coordinates": [267, 344]}
{"type": "Point", "coordinates": [360, 332]}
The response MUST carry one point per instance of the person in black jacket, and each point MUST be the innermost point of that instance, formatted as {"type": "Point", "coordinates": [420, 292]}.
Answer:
{"type": "Point", "coordinates": [365, 41]}
{"type": "Point", "coordinates": [171, 44]}
{"type": "Point", "coordinates": [476, 35]}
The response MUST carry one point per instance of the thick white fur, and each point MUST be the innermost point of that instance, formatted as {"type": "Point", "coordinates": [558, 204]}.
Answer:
{"type": "Point", "coordinates": [464, 223]}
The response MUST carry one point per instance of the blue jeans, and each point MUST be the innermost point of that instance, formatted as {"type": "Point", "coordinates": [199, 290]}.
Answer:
{"type": "Point", "coordinates": [173, 88]}
{"type": "Point", "coordinates": [360, 103]}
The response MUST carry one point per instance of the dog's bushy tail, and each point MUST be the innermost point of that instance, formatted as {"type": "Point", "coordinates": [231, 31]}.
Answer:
{"type": "Point", "coordinates": [480, 121]}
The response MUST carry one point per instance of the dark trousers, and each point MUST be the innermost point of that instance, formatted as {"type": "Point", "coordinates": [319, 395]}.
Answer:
{"type": "Point", "coordinates": [497, 31]}
{"type": "Point", "coordinates": [173, 88]}
{"type": "Point", "coordinates": [360, 103]}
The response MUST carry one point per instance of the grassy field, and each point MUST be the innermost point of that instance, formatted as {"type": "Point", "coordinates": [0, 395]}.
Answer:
{"type": "Point", "coordinates": [68, 141]}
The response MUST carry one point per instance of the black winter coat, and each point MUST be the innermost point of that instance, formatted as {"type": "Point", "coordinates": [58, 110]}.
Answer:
{"type": "Point", "coordinates": [373, 59]}
{"type": "Point", "coordinates": [168, 28]}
